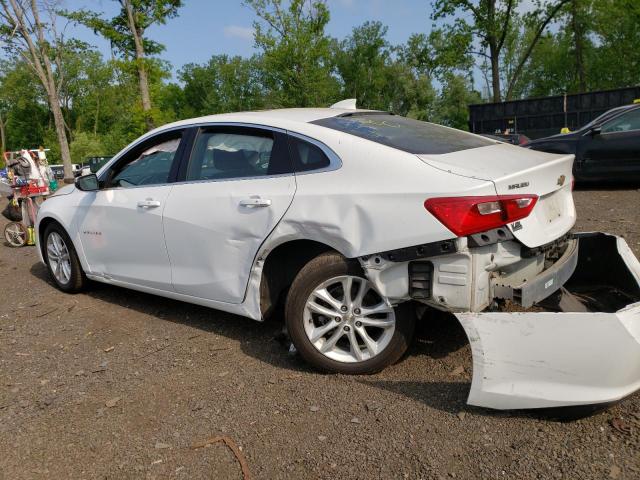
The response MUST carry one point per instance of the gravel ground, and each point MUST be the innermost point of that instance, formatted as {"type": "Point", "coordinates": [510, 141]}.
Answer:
{"type": "Point", "coordinates": [117, 384]}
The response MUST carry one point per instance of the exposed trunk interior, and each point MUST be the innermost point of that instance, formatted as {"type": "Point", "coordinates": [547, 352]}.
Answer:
{"type": "Point", "coordinates": [601, 281]}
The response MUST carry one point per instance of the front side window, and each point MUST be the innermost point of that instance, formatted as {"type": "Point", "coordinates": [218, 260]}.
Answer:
{"type": "Point", "coordinates": [405, 134]}
{"type": "Point", "coordinates": [623, 123]}
{"type": "Point", "coordinates": [149, 167]}
{"type": "Point", "coordinates": [223, 154]}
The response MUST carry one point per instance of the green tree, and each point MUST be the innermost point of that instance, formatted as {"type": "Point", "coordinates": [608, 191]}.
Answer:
{"type": "Point", "coordinates": [363, 60]}
{"type": "Point", "coordinates": [452, 105]}
{"type": "Point", "coordinates": [617, 36]}
{"type": "Point", "coordinates": [224, 84]}
{"type": "Point", "coordinates": [583, 53]}
{"type": "Point", "coordinates": [439, 53]}
{"type": "Point", "coordinates": [31, 34]}
{"type": "Point", "coordinates": [86, 145]}
{"type": "Point", "coordinates": [296, 54]}
{"type": "Point", "coordinates": [126, 33]}
{"type": "Point", "coordinates": [487, 25]}
{"type": "Point", "coordinates": [377, 75]}
{"type": "Point", "coordinates": [409, 93]}
{"type": "Point", "coordinates": [23, 106]}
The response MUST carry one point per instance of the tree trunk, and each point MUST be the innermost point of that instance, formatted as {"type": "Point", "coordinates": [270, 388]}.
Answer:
{"type": "Point", "coordinates": [95, 121]}
{"type": "Point", "coordinates": [578, 39]}
{"type": "Point", "coordinates": [52, 93]}
{"type": "Point", "coordinates": [494, 51]}
{"type": "Point", "coordinates": [61, 132]}
{"type": "Point", "coordinates": [495, 72]}
{"type": "Point", "coordinates": [517, 71]}
{"type": "Point", "coordinates": [3, 137]}
{"type": "Point", "coordinates": [38, 58]}
{"type": "Point", "coordinates": [141, 66]}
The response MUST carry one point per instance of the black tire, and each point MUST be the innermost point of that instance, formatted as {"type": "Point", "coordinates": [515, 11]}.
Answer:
{"type": "Point", "coordinates": [78, 280]}
{"type": "Point", "coordinates": [320, 269]}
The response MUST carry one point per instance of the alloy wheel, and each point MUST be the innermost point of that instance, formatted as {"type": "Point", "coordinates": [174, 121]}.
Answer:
{"type": "Point", "coordinates": [15, 234]}
{"type": "Point", "coordinates": [59, 258]}
{"type": "Point", "coordinates": [347, 320]}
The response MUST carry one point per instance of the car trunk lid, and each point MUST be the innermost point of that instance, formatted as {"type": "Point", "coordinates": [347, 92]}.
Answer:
{"type": "Point", "coordinates": [516, 170]}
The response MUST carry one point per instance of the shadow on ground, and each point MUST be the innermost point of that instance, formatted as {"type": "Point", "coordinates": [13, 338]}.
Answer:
{"type": "Point", "coordinates": [597, 186]}
{"type": "Point", "coordinates": [437, 336]}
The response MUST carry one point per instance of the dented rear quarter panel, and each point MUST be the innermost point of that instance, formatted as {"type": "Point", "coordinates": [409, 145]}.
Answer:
{"type": "Point", "coordinates": [373, 203]}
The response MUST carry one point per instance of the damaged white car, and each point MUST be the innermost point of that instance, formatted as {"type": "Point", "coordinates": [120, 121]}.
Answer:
{"type": "Point", "coordinates": [355, 220]}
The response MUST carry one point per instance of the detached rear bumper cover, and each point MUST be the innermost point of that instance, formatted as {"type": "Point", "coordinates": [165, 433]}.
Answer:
{"type": "Point", "coordinates": [589, 355]}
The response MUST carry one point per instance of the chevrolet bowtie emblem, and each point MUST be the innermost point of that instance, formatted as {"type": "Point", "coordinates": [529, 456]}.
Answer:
{"type": "Point", "coordinates": [561, 180]}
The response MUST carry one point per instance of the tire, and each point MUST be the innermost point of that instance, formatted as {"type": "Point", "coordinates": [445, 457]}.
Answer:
{"type": "Point", "coordinates": [307, 315]}
{"type": "Point", "coordinates": [70, 277]}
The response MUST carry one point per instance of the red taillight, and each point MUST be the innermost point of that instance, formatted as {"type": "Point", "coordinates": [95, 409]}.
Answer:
{"type": "Point", "coordinates": [468, 215]}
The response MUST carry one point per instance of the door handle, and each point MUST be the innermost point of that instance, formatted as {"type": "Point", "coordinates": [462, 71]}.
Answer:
{"type": "Point", "coordinates": [149, 203]}
{"type": "Point", "coordinates": [255, 202]}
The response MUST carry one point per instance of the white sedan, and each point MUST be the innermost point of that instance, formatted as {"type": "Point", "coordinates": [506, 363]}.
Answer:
{"type": "Point", "coordinates": [356, 220]}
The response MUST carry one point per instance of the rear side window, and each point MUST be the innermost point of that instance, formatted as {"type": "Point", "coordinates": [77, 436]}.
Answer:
{"type": "Point", "coordinates": [306, 156]}
{"type": "Point", "coordinates": [624, 123]}
{"type": "Point", "coordinates": [405, 134]}
{"type": "Point", "coordinates": [228, 153]}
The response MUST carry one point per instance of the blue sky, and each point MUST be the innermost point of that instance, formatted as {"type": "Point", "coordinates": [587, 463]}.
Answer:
{"type": "Point", "coordinates": [208, 27]}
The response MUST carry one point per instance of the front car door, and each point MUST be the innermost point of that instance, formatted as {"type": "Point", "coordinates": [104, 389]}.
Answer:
{"type": "Point", "coordinates": [120, 225]}
{"type": "Point", "coordinates": [236, 187]}
{"type": "Point", "coordinates": [614, 153]}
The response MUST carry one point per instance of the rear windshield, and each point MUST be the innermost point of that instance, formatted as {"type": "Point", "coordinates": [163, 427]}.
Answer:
{"type": "Point", "coordinates": [405, 134]}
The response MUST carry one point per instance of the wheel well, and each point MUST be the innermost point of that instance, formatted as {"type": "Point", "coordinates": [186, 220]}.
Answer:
{"type": "Point", "coordinates": [281, 267]}
{"type": "Point", "coordinates": [44, 223]}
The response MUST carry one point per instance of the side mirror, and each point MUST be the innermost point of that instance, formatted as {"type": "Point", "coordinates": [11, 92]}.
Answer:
{"type": "Point", "coordinates": [88, 183]}
{"type": "Point", "coordinates": [595, 131]}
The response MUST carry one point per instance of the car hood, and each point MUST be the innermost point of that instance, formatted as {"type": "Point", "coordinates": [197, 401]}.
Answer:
{"type": "Point", "coordinates": [514, 171]}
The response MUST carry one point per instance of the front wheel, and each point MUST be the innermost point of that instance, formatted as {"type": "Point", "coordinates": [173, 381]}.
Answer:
{"type": "Point", "coordinates": [62, 260]}
{"type": "Point", "coordinates": [340, 323]}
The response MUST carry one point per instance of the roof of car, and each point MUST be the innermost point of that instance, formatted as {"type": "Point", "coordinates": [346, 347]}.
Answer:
{"type": "Point", "coordinates": [276, 118]}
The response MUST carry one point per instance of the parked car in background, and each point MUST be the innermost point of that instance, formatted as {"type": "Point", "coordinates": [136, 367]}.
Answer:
{"type": "Point", "coordinates": [58, 171]}
{"type": "Point", "coordinates": [96, 163]}
{"type": "Point", "coordinates": [512, 138]}
{"type": "Point", "coordinates": [606, 149]}
{"type": "Point", "coordinates": [359, 221]}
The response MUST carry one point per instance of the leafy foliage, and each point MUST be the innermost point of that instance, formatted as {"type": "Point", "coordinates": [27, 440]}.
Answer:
{"type": "Point", "coordinates": [296, 52]}
{"type": "Point", "coordinates": [434, 76]}
{"type": "Point", "coordinates": [224, 84]}
{"type": "Point", "coordinates": [117, 30]}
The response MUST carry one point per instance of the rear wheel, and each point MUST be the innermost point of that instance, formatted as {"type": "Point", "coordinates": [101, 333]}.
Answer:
{"type": "Point", "coordinates": [62, 260]}
{"type": "Point", "coordinates": [340, 323]}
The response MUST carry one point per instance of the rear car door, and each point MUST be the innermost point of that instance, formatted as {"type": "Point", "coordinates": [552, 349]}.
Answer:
{"type": "Point", "coordinates": [614, 153]}
{"type": "Point", "coordinates": [235, 188]}
{"type": "Point", "coordinates": [121, 224]}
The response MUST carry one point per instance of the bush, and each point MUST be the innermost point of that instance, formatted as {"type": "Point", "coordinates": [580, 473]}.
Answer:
{"type": "Point", "coordinates": [85, 145]}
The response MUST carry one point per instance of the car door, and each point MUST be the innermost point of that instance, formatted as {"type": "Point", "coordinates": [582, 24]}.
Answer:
{"type": "Point", "coordinates": [120, 225]}
{"type": "Point", "coordinates": [613, 153]}
{"type": "Point", "coordinates": [237, 185]}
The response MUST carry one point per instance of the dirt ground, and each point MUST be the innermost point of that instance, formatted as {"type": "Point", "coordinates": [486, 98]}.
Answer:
{"type": "Point", "coordinates": [117, 384]}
